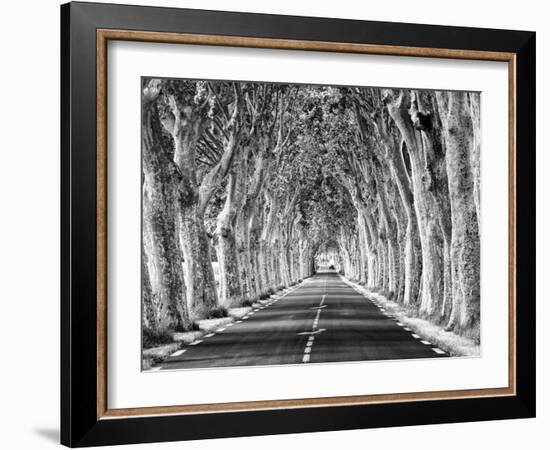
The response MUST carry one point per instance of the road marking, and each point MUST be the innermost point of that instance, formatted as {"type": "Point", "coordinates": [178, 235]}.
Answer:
{"type": "Point", "coordinates": [307, 350]}
{"type": "Point", "coordinates": [220, 330]}
{"type": "Point", "coordinates": [178, 353]}
{"type": "Point", "coordinates": [309, 343]}
{"type": "Point", "coordinates": [426, 342]}
{"type": "Point", "coordinates": [407, 329]}
{"type": "Point", "coordinates": [382, 309]}
{"type": "Point", "coordinates": [238, 321]}
{"type": "Point", "coordinates": [306, 358]}
{"type": "Point", "coordinates": [209, 335]}
{"type": "Point", "coordinates": [318, 307]}
{"type": "Point", "coordinates": [155, 369]}
{"type": "Point", "coordinates": [415, 336]}
{"type": "Point", "coordinates": [323, 299]}
{"type": "Point", "coordinates": [196, 342]}
{"type": "Point", "coordinates": [230, 324]}
{"type": "Point", "coordinates": [400, 324]}
{"type": "Point", "coordinates": [305, 333]}
{"type": "Point", "coordinates": [437, 350]}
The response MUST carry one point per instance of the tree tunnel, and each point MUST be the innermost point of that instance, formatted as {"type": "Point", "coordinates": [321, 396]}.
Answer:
{"type": "Point", "coordinates": [249, 187]}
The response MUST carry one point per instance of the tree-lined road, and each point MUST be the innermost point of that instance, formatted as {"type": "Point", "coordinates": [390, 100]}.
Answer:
{"type": "Point", "coordinates": [323, 320]}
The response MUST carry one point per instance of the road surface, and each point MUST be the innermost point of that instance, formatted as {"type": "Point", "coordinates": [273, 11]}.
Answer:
{"type": "Point", "coordinates": [322, 320]}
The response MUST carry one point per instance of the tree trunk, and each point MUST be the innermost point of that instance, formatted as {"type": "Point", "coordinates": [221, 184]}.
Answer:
{"type": "Point", "coordinates": [163, 257]}
{"type": "Point", "coordinates": [430, 234]}
{"type": "Point", "coordinates": [162, 272]}
{"type": "Point", "coordinates": [412, 248]}
{"type": "Point", "coordinates": [201, 286]}
{"type": "Point", "coordinates": [226, 247]}
{"type": "Point", "coordinates": [465, 249]}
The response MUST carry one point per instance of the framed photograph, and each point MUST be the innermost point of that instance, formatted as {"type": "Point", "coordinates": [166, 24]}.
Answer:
{"type": "Point", "coordinates": [276, 224]}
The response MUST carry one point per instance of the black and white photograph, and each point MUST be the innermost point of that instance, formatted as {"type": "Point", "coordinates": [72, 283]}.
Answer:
{"type": "Point", "coordinates": [303, 224]}
{"type": "Point", "coordinates": [275, 225]}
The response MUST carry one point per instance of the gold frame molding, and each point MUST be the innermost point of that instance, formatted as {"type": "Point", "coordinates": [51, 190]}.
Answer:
{"type": "Point", "coordinates": [105, 35]}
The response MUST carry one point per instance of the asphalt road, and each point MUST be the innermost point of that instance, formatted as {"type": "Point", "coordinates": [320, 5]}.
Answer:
{"type": "Point", "coordinates": [322, 320]}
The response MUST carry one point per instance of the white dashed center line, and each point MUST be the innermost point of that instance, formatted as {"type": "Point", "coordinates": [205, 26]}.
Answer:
{"type": "Point", "coordinates": [438, 351]}
{"type": "Point", "coordinates": [178, 353]}
{"type": "Point", "coordinates": [209, 335]}
{"type": "Point", "coordinates": [196, 342]}
{"type": "Point", "coordinates": [415, 336]}
{"type": "Point", "coordinates": [309, 344]}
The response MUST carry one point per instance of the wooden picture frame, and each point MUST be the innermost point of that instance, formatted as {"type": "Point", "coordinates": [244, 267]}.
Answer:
{"type": "Point", "coordinates": [85, 417]}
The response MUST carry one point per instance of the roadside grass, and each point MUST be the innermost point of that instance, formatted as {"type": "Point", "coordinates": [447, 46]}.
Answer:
{"type": "Point", "coordinates": [448, 341]}
{"type": "Point", "coordinates": [151, 339]}
{"type": "Point", "coordinates": [217, 313]}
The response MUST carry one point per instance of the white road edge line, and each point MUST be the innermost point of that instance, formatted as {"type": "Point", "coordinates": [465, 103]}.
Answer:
{"type": "Point", "coordinates": [435, 349]}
